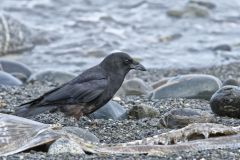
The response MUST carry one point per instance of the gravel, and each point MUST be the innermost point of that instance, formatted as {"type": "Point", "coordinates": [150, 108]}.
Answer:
{"type": "Point", "coordinates": [117, 131]}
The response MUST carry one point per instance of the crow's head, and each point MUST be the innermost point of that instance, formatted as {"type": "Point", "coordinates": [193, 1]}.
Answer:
{"type": "Point", "coordinates": [121, 62]}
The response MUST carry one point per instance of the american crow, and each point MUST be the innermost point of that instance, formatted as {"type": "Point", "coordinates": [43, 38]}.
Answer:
{"type": "Point", "coordinates": [87, 92]}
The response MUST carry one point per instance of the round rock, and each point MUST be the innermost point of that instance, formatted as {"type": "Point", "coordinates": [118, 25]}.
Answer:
{"type": "Point", "coordinates": [134, 86]}
{"type": "Point", "coordinates": [142, 111]}
{"type": "Point", "coordinates": [196, 86]}
{"type": "Point", "coordinates": [65, 145]}
{"type": "Point", "coordinates": [8, 79]}
{"type": "Point", "coordinates": [17, 69]}
{"type": "Point", "coordinates": [15, 37]}
{"type": "Point", "coordinates": [178, 118]}
{"type": "Point", "coordinates": [55, 76]}
{"type": "Point", "coordinates": [111, 110]}
{"type": "Point", "coordinates": [226, 102]}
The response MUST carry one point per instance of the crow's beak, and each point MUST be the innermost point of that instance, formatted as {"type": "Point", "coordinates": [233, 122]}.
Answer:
{"type": "Point", "coordinates": [136, 65]}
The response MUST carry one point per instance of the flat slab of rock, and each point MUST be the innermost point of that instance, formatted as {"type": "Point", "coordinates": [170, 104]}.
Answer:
{"type": "Point", "coordinates": [111, 110]}
{"type": "Point", "coordinates": [197, 86]}
{"type": "Point", "coordinates": [178, 118]}
{"type": "Point", "coordinates": [226, 101]}
{"type": "Point", "coordinates": [8, 79]}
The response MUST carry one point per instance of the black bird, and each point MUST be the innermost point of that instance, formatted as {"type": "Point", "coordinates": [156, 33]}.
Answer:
{"type": "Point", "coordinates": [87, 92]}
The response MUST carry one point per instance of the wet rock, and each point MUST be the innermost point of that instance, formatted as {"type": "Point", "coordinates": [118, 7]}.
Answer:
{"type": "Point", "coordinates": [15, 37]}
{"type": "Point", "coordinates": [226, 101]}
{"type": "Point", "coordinates": [178, 118]}
{"type": "Point", "coordinates": [232, 82]}
{"type": "Point", "coordinates": [17, 69]}
{"type": "Point", "coordinates": [134, 86]}
{"type": "Point", "coordinates": [65, 145]}
{"type": "Point", "coordinates": [198, 86]}
{"type": "Point", "coordinates": [55, 76]}
{"type": "Point", "coordinates": [82, 133]}
{"type": "Point", "coordinates": [222, 47]}
{"type": "Point", "coordinates": [142, 111]}
{"type": "Point", "coordinates": [112, 110]}
{"type": "Point", "coordinates": [190, 10]}
{"type": "Point", "coordinates": [8, 79]}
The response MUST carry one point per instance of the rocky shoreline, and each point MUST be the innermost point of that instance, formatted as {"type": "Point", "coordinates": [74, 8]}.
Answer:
{"type": "Point", "coordinates": [118, 131]}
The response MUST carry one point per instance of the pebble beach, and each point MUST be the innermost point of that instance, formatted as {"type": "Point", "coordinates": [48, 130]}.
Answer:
{"type": "Point", "coordinates": [51, 42]}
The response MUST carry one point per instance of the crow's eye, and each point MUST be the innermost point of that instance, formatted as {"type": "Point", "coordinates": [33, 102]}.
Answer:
{"type": "Point", "coordinates": [128, 61]}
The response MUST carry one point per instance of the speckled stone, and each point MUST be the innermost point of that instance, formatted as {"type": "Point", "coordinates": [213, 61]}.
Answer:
{"type": "Point", "coordinates": [226, 101]}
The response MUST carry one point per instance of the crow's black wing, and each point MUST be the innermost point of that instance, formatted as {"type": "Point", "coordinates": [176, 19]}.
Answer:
{"type": "Point", "coordinates": [75, 93]}
{"type": "Point", "coordinates": [84, 88]}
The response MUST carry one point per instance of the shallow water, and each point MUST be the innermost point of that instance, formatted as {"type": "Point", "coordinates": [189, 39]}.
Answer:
{"type": "Point", "coordinates": [85, 31]}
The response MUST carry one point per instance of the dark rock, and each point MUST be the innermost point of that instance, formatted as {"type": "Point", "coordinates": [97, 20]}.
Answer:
{"type": "Point", "coordinates": [112, 110]}
{"type": "Point", "coordinates": [52, 76]}
{"type": "Point", "coordinates": [134, 86]}
{"type": "Point", "coordinates": [226, 101]}
{"type": "Point", "coordinates": [198, 86]}
{"type": "Point", "coordinates": [17, 69]}
{"type": "Point", "coordinates": [178, 118]}
{"type": "Point", "coordinates": [222, 47]}
{"type": "Point", "coordinates": [82, 133]}
{"type": "Point", "coordinates": [142, 111]}
{"type": "Point", "coordinates": [8, 79]}
{"type": "Point", "coordinates": [15, 37]}
{"type": "Point", "coordinates": [230, 81]}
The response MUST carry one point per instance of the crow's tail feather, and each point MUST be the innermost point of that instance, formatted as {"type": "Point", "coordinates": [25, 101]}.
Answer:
{"type": "Point", "coordinates": [27, 110]}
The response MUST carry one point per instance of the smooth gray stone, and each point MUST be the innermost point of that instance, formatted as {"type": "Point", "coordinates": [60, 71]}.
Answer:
{"type": "Point", "coordinates": [8, 79]}
{"type": "Point", "coordinates": [59, 77]}
{"type": "Point", "coordinates": [15, 68]}
{"type": "Point", "coordinates": [112, 110]}
{"type": "Point", "coordinates": [198, 86]}
{"type": "Point", "coordinates": [134, 86]}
